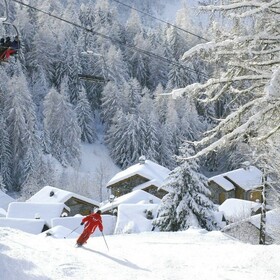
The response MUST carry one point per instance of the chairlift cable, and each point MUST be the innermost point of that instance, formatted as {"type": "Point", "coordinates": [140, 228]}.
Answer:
{"type": "Point", "coordinates": [148, 53]}
{"type": "Point", "coordinates": [161, 20]}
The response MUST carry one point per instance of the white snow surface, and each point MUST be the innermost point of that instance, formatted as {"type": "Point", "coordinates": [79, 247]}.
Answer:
{"type": "Point", "coordinates": [45, 211]}
{"type": "Point", "coordinates": [192, 254]}
{"type": "Point", "coordinates": [5, 200]}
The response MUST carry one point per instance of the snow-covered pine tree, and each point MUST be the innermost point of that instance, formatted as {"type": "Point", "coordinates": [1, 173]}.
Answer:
{"type": "Point", "coordinates": [85, 118]}
{"type": "Point", "coordinates": [157, 69]}
{"type": "Point", "coordinates": [116, 68]}
{"type": "Point", "coordinates": [5, 155]}
{"type": "Point", "coordinates": [139, 61]}
{"type": "Point", "coordinates": [127, 138]}
{"type": "Point", "coordinates": [147, 112]}
{"type": "Point", "coordinates": [2, 185]}
{"type": "Point", "coordinates": [132, 96]}
{"type": "Point", "coordinates": [111, 102]}
{"type": "Point", "coordinates": [187, 203]}
{"type": "Point", "coordinates": [62, 127]}
{"type": "Point", "coordinates": [19, 113]}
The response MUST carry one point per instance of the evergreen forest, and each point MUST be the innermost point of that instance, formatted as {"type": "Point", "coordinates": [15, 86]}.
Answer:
{"type": "Point", "coordinates": [198, 96]}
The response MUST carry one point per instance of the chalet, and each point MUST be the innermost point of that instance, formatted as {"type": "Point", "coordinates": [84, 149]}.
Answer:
{"type": "Point", "coordinates": [145, 175]}
{"type": "Point", "coordinates": [243, 183]}
{"type": "Point", "coordinates": [74, 203]}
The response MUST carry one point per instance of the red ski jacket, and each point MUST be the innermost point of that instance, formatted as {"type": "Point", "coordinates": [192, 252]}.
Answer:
{"type": "Point", "coordinates": [92, 221]}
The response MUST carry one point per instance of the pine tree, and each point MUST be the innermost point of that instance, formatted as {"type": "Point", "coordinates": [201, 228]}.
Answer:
{"type": "Point", "coordinates": [61, 126]}
{"type": "Point", "coordinates": [19, 112]}
{"type": "Point", "coordinates": [2, 185]}
{"type": "Point", "coordinates": [187, 203]}
{"type": "Point", "coordinates": [132, 96]}
{"type": "Point", "coordinates": [127, 139]}
{"type": "Point", "coordinates": [5, 156]}
{"type": "Point", "coordinates": [116, 68]}
{"type": "Point", "coordinates": [85, 118]}
{"type": "Point", "coordinates": [139, 61]}
{"type": "Point", "coordinates": [148, 113]}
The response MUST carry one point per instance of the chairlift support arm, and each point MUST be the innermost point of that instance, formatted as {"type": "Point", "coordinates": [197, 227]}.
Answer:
{"type": "Point", "coordinates": [92, 78]}
{"type": "Point", "coordinates": [5, 18]}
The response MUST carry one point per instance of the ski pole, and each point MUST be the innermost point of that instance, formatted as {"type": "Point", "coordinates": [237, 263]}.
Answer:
{"type": "Point", "coordinates": [72, 231]}
{"type": "Point", "coordinates": [105, 240]}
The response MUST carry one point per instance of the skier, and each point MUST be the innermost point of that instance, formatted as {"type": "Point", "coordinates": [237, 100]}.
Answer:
{"type": "Point", "coordinates": [91, 222]}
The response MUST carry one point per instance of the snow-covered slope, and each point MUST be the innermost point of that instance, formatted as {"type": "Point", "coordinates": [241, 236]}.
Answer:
{"type": "Point", "coordinates": [193, 254]}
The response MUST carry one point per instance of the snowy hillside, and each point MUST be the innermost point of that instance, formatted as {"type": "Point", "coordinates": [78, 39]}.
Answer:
{"type": "Point", "coordinates": [193, 254]}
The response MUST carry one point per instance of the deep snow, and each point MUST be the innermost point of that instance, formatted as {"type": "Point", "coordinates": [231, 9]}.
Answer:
{"type": "Point", "coordinates": [193, 254]}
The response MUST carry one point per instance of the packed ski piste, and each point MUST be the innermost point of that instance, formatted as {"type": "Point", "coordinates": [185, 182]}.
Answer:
{"type": "Point", "coordinates": [192, 254]}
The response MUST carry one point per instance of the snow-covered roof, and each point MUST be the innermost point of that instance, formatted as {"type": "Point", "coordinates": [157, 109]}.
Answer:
{"type": "Point", "coordinates": [33, 226]}
{"type": "Point", "coordinates": [223, 182]}
{"type": "Point", "coordinates": [247, 178]}
{"type": "Point", "coordinates": [50, 194]}
{"type": "Point", "coordinates": [44, 211]}
{"type": "Point", "coordinates": [137, 196]}
{"type": "Point", "coordinates": [238, 209]}
{"type": "Point", "coordinates": [149, 170]}
{"type": "Point", "coordinates": [153, 182]}
{"type": "Point", "coordinates": [5, 200]}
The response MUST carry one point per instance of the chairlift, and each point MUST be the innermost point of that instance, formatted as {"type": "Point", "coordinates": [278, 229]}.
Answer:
{"type": "Point", "coordinates": [93, 78]}
{"type": "Point", "coordinates": [14, 33]}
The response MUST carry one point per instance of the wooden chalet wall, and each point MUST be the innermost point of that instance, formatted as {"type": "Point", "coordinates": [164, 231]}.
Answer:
{"type": "Point", "coordinates": [78, 206]}
{"type": "Point", "coordinates": [127, 185]}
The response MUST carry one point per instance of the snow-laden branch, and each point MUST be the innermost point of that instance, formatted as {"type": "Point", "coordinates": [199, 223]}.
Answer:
{"type": "Point", "coordinates": [212, 82]}
{"type": "Point", "coordinates": [266, 106]}
{"type": "Point", "coordinates": [253, 6]}
{"type": "Point", "coordinates": [227, 121]}
{"type": "Point", "coordinates": [273, 131]}
{"type": "Point", "coordinates": [232, 46]}
{"type": "Point", "coordinates": [238, 132]}
{"type": "Point", "coordinates": [261, 9]}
